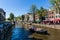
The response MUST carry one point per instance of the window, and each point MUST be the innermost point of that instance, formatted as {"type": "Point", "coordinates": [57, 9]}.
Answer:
{"type": "Point", "coordinates": [52, 17]}
{"type": "Point", "coordinates": [56, 16]}
{"type": "Point", "coordinates": [52, 12]}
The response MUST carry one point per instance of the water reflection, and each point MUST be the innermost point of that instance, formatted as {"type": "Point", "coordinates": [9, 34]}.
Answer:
{"type": "Point", "coordinates": [54, 33]}
{"type": "Point", "coordinates": [20, 34]}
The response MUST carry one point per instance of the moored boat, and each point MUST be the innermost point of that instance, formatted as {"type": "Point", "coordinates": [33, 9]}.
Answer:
{"type": "Point", "coordinates": [39, 31]}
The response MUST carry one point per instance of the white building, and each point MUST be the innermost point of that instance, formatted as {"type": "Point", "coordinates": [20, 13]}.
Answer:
{"type": "Point", "coordinates": [30, 17]}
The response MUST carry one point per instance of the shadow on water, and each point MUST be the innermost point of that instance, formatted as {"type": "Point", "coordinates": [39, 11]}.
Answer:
{"type": "Point", "coordinates": [21, 34]}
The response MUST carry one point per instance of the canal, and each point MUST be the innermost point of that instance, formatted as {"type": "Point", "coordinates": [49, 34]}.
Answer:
{"type": "Point", "coordinates": [20, 33]}
{"type": "Point", "coordinates": [54, 33]}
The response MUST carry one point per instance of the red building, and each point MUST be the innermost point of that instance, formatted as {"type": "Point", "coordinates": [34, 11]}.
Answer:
{"type": "Point", "coordinates": [52, 17]}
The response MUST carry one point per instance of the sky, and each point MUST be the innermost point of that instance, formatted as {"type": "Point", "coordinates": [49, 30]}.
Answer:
{"type": "Point", "coordinates": [20, 7]}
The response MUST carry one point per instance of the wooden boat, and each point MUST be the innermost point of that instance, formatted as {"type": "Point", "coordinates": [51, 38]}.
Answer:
{"type": "Point", "coordinates": [40, 31]}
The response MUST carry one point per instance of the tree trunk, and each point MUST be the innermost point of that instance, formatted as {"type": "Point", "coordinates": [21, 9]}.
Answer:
{"type": "Point", "coordinates": [34, 17]}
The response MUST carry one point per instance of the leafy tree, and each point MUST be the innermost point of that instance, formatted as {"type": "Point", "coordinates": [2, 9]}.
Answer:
{"type": "Point", "coordinates": [56, 5]}
{"type": "Point", "coordinates": [42, 13]}
{"type": "Point", "coordinates": [11, 16]}
{"type": "Point", "coordinates": [8, 19]}
{"type": "Point", "coordinates": [39, 14]}
{"type": "Point", "coordinates": [19, 17]}
{"type": "Point", "coordinates": [33, 10]}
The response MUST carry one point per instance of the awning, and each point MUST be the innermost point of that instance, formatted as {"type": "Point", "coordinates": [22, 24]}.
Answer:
{"type": "Point", "coordinates": [57, 19]}
{"type": "Point", "coordinates": [54, 20]}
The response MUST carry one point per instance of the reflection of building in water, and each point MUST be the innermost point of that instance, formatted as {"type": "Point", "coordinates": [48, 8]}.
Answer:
{"type": "Point", "coordinates": [2, 15]}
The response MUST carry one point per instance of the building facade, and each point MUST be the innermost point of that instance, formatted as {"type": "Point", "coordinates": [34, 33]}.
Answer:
{"type": "Point", "coordinates": [31, 17]}
{"type": "Point", "coordinates": [53, 16]}
{"type": "Point", "coordinates": [50, 15]}
{"type": "Point", "coordinates": [25, 17]}
{"type": "Point", "coordinates": [36, 18]}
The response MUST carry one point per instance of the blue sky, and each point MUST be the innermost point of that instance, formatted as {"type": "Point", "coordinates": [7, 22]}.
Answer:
{"type": "Point", "coordinates": [19, 7]}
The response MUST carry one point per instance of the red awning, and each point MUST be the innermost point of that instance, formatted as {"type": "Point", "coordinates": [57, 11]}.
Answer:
{"type": "Point", "coordinates": [57, 19]}
{"type": "Point", "coordinates": [54, 20]}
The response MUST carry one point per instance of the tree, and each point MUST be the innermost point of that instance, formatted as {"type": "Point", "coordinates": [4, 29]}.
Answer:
{"type": "Point", "coordinates": [8, 19]}
{"type": "Point", "coordinates": [23, 17]}
{"type": "Point", "coordinates": [18, 17]}
{"type": "Point", "coordinates": [42, 13]}
{"type": "Point", "coordinates": [11, 16]}
{"type": "Point", "coordinates": [39, 14]}
{"type": "Point", "coordinates": [33, 10]}
{"type": "Point", "coordinates": [56, 5]}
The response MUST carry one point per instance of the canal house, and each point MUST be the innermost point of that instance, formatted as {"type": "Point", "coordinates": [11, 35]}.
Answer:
{"type": "Point", "coordinates": [52, 17]}
{"type": "Point", "coordinates": [30, 17]}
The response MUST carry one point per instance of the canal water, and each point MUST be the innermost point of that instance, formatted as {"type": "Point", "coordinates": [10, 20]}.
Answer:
{"type": "Point", "coordinates": [19, 33]}
{"type": "Point", "coordinates": [54, 33]}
